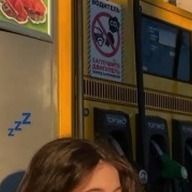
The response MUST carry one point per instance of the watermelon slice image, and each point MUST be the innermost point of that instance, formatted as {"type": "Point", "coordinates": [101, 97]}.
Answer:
{"type": "Point", "coordinates": [36, 10]}
{"type": "Point", "coordinates": [22, 10]}
{"type": "Point", "coordinates": [15, 9]}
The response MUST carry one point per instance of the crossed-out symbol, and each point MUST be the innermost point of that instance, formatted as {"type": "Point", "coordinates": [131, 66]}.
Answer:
{"type": "Point", "coordinates": [101, 34]}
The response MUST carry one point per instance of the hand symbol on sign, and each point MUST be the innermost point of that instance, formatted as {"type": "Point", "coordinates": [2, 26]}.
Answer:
{"type": "Point", "coordinates": [98, 33]}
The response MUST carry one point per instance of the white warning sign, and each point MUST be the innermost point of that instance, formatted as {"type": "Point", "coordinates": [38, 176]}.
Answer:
{"type": "Point", "coordinates": [105, 40]}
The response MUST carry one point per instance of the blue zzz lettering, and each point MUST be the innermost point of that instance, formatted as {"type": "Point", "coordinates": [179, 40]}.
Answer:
{"type": "Point", "coordinates": [26, 118]}
{"type": "Point", "coordinates": [10, 132]}
{"type": "Point", "coordinates": [19, 123]}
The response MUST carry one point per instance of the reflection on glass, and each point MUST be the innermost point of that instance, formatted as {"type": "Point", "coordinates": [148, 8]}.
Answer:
{"type": "Point", "coordinates": [165, 49]}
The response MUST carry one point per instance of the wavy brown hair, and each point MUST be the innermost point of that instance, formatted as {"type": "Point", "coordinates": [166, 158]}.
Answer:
{"type": "Point", "coordinates": [61, 165]}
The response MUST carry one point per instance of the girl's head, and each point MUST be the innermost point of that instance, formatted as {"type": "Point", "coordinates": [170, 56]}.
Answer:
{"type": "Point", "coordinates": [72, 165]}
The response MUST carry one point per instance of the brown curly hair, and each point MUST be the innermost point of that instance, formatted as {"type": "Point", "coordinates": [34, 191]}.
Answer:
{"type": "Point", "coordinates": [62, 164]}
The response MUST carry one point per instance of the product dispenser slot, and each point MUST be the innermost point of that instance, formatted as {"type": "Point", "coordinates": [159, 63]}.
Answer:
{"type": "Point", "coordinates": [152, 152]}
{"type": "Point", "coordinates": [156, 152]}
{"type": "Point", "coordinates": [182, 151]}
{"type": "Point", "coordinates": [188, 162]}
{"type": "Point", "coordinates": [113, 127]}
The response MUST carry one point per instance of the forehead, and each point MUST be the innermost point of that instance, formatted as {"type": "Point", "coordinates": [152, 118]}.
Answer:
{"type": "Point", "coordinates": [104, 178]}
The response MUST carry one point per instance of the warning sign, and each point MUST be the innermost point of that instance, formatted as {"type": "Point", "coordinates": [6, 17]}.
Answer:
{"type": "Point", "coordinates": [105, 40]}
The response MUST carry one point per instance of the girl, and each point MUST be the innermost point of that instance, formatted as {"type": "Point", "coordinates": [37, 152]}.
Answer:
{"type": "Point", "coordinates": [72, 165]}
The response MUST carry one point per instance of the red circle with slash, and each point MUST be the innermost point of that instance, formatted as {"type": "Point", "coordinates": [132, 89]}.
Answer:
{"type": "Point", "coordinates": [97, 21]}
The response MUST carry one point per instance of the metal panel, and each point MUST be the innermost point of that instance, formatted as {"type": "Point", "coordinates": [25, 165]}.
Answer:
{"type": "Point", "coordinates": [184, 4]}
{"type": "Point", "coordinates": [65, 64]}
{"type": "Point", "coordinates": [27, 88]}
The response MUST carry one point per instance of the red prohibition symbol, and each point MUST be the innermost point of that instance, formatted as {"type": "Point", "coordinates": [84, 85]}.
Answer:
{"type": "Point", "coordinates": [103, 38]}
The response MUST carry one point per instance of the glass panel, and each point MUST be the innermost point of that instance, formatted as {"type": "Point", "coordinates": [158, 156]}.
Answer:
{"type": "Point", "coordinates": [159, 49]}
{"type": "Point", "coordinates": [184, 58]}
